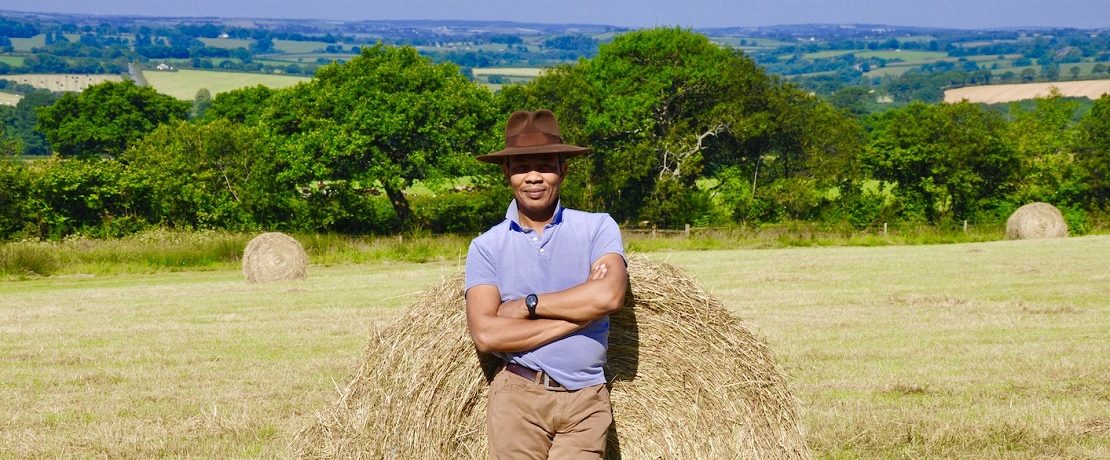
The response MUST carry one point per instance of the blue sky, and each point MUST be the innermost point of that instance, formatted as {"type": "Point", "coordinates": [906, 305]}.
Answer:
{"type": "Point", "coordinates": [968, 14]}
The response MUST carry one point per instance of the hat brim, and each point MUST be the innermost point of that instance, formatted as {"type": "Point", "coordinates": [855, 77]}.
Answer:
{"type": "Point", "coordinates": [562, 149]}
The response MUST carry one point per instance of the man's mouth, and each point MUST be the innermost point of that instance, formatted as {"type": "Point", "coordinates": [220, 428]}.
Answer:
{"type": "Point", "coordinates": [534, 194]}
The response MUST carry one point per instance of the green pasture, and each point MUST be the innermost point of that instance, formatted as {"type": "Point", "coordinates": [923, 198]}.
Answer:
{"type": "Point", "coordinates": [993, 350]}
{"type": "Point", "coordinates": [292, 46]}
{"type": "Point", "coordinates": [307, 57]}
{"type": "Point", "coordinates": [25, 44]}
{"type": "Point", "coordinates": [752, 42]}
{"type": "Point", "coordinates": [827, 54]}
{"type": "Point", "coordinates": [226, 43]}
{"type": "Point", "coordinates": [184, 84]}
{"type": "Point", "coordinates": [14, 61]}
{"type": "Point", "coordinates": [905, 55]}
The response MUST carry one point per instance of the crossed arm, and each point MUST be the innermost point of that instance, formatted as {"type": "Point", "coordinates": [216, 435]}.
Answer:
{"type": "Point", "coordinates": [505, 327]}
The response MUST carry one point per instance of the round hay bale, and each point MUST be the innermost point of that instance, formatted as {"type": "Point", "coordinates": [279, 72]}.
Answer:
{"type": "Point", "coordinates": [1036, 220]}
{"type": "Point", "coordinates": [687, 380]}
{"type": "Point", "coordinates": [274, 256]}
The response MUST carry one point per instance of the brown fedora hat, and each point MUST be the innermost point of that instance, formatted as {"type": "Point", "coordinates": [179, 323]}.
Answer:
{"type": "Point", "coordinates": [532, 132]}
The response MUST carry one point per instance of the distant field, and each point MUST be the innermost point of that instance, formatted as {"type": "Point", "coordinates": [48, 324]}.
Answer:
{"type": "Point", "coordinates": [14, 61]}
{"type": "Point", "coordinates": [61, 82]}
{"type": "Point", "coordinates": [307, 57]}
{"type": "Point", "coordinates": [184, 84]}
{"type": "Point", "coordinates": [827, 54]}
{"type": "Point", "coordinates": [530, 72]}
{"type": "Point", "coordinates": [992, 94]}
{"type": "Point", "coordinates": [291, 46]}
{"type": "Point", "coordinates": [9, 98]}
{"type": "Point", "coordinates": [226, 43]}
{"type": "Point", "coordinates": [908, 56]}
{"type": "Point", "coordinates": [25, 44]}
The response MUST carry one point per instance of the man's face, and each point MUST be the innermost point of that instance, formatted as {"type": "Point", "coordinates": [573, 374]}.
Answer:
{"type": "Point", "coordinates": [535, 180]}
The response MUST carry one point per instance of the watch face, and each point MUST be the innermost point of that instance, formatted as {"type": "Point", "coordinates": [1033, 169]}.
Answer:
{"type": "Point", "coordinates": [531, 300]}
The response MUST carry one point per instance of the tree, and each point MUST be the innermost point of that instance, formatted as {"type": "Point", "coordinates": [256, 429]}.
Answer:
{"type": "Point", "coordinates": [103, 119]}
{"type": "Point", "coordinates": [1093, 153]}
{"type": "Point", "coordinates": [217, 174]}
{"type": "Point", "coordinates": [663, 108]}
{"type": "Point", "coordinates": [1043, 140]}
{"type": "Point", "coordinates": [384, 119]}
{"type": "Point", "coordinates": [243, 105]}
{"type": "Point", "coordinates": [1075, 70]}
{"type": "Point", "coordinates": [201, 103]}
{"type": "Point", "coordinates": [948, 161]}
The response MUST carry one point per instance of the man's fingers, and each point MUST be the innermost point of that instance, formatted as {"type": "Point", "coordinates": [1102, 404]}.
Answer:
{"type": "Point", "coordinates": [599, 272]}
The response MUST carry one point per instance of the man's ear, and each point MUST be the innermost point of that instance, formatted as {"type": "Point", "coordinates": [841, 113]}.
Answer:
{"type": "Point", "coordinates": [563, 167]}
{"type": "Point", "coordinates": [505, 170]}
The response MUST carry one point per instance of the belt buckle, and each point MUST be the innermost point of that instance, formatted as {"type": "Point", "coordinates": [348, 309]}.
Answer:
{"type": "Point", "coordinates": [551, 385]}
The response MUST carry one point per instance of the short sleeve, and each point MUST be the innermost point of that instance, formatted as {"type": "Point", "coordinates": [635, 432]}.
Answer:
{"type": "Point", "coordinates": [607, 239]}
{"type": "Point", "coordinates": [479, 268]}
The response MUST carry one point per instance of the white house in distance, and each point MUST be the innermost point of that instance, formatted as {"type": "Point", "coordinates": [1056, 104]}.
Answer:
{"type": "Point", "coordinates": [163, 66]}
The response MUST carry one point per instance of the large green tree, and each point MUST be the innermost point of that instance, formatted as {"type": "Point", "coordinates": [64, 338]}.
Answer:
{"type": "Point", "coordinates": [217, 174]}
{"type": "Point", "coordinates": [103, 119]}
{"type": "Point", "coordinates": [1044, 140]}
{"type": "Point", "coordinates": [1093, 153]}
{"type": "Point", "coordinates": [948, 160]}
{"type": "Point", "coordinates": [381, 121]}
{"type": "Point", "coordinates": [666, 107]}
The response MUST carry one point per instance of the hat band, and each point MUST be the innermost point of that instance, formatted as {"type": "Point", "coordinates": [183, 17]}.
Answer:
{"type": "Point", "coordinates": [532, 140]}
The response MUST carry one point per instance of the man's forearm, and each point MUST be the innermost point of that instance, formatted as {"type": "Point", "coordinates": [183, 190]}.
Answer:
{"type": "Point", "coordinates": [513, 334]}
{"type": "Point", "coordinates": [600, 295]}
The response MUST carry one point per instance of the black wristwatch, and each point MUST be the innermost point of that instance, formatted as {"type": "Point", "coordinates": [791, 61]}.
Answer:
{"type": "Point", "coordinates": [531, 301]}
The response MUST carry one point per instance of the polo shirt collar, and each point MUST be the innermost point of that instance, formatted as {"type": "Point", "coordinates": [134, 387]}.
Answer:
{"type": "Point", "coordinates": [514, 216]}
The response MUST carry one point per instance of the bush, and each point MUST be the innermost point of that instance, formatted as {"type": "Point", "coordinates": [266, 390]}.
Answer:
{"type": "Point", "coordinates": [461, 211]}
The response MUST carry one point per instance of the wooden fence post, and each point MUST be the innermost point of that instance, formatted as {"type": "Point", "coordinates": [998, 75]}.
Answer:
{"type": "Point", "coordinates": [884, 228]}
{"type": "Point", "coordinates": [687, 230]}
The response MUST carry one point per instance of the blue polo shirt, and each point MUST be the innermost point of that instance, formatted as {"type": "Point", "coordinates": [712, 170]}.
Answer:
{"type": "Point", "coordinates": [519, 261]}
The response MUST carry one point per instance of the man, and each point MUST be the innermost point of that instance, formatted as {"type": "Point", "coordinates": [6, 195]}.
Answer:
{"type": "Point", "coordinates": [539, 289]}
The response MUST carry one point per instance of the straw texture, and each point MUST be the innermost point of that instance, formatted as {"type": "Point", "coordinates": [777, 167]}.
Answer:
{"type": "Point", "coordinates": [687, 380]}
{"type": "Point", "coordinates": [274, 256]}
{"type": "Point", "coordinates": [1036, 220]}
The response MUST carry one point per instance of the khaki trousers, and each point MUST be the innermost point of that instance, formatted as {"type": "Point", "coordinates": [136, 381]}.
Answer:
{"type": "Point", "coordinates": [525, 421]}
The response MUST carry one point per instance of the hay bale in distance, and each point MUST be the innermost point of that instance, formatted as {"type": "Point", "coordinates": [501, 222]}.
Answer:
{"type": "Point", "coordinates": [687, 381]}
{"type": "Point", "coordinates": [274, 256]}
{"type": "Point", "coordinates": [1036, 220]}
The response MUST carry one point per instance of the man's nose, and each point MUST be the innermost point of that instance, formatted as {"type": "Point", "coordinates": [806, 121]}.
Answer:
{"type": "Point", "coordinates": [533, 177]}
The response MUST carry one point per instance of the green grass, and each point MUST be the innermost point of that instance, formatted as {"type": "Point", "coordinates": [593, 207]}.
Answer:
{"type": "Point", "coordinates": [291, 46]}
{"type": "Point", "coordinates": [184, 84]}
{"type": "Point", "coordinates": [14, 61]}
{"type": "Point", "coordinates": [26, 44]}
{"type": "Point", "coordinates": [226, 43]}
{"type": "Point", "coordinates": [827, 54]}
{"type": "Point", "coordinates": [954, 351]}
{"type": "Point", "coordinates": [908, 56]}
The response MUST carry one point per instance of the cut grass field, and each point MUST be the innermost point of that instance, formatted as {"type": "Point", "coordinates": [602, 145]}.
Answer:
{"type": "Point", "coordinates": [184, 84]}
{"type": "Point", "coordinates": [968, 350]}
{"type": "Point", "coordinates": [9, 98]}
{"type": "Point", "coordinates": [993, 94]}
{"type": "Point", "coordinates": [61, 82]}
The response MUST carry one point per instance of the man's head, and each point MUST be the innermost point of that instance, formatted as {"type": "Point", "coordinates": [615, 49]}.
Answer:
{"type": "Point", "coordinates": [534, 160]}
{"type": "Point", "coordinates": [535, 180]}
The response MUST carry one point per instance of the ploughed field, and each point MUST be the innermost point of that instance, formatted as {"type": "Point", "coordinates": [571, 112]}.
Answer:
{"type": "Point", "coordinates": [964, 350]}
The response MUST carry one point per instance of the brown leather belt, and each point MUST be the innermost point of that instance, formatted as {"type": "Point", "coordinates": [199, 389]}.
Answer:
{"type": "Point", "coordinates": [539, 377]}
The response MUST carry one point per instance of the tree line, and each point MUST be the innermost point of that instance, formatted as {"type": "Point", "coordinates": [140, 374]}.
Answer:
{"type": "Point", "coordinates": [684, 132]}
